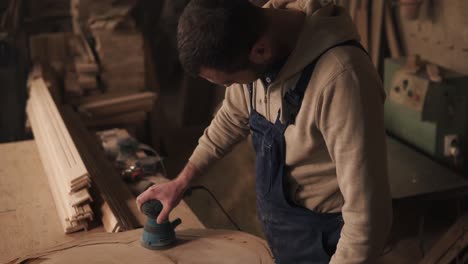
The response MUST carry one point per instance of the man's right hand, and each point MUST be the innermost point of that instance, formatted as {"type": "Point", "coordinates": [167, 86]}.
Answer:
{"type": "Point", "coordinates": [169, 194]}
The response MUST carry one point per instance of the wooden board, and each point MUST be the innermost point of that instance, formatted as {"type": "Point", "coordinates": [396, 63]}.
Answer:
{"type": "Point", "coordinates": [131, 118]}
{"type": "Point", "coordinates": [193, 246]}
{"type": "Point", "coordinates": [452, 243]}
{"type": "Point", "coordinates": [51, 126]}
{"type": "Point", "coordinates": [28, 216]}
{"type": "Point", "coordinates": [121, 58]}
{"type": "Point", "coordinates": [105, 178]}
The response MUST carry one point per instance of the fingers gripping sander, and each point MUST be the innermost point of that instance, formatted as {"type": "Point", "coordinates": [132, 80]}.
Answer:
{"type": "Point", "coordinates": [157, 236]}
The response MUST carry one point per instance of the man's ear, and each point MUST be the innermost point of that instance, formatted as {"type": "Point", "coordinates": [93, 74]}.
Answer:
{"type": "Point", "coordinates": [261, 51]}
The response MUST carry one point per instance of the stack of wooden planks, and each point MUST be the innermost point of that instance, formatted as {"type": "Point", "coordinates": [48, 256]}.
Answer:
{"type": "Point", "coordinates": [118, 210]}
{"type": "Point", "coordinates": [75, 162]}
{"type": "Point", "coordinates": [70, 55]}
{"type": "Point", "coordinates": [83, 70]}
{"type": "Point", "coordinates": [68, 177]}
{"type": "Point", "coordinates": [119, 47]}
{"type": "Point", "coordinates": [452, 247]}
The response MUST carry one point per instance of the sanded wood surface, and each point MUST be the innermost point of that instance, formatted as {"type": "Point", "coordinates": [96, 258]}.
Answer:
{"type": "Point", "coordinates": [193, 246]}
{"type": "Point", "coordinates": [28, 217]}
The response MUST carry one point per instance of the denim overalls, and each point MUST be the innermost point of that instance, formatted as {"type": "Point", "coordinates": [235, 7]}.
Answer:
{"type": "Point", "coordinates": [295, 234]}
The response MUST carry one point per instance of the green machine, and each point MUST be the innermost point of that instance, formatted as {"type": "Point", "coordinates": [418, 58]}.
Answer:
{"type": "Point", "coordinates": [431, 116]}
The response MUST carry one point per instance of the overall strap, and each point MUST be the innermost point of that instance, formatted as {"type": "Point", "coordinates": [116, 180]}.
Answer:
{"type": "Point", "coordinates": [293, 98]}
{"type": "Point", "coordinates": [250, 88]}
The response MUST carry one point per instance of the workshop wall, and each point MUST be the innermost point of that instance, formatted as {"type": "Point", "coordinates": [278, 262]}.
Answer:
{"type": "Point", "coordinates": [439, 34]}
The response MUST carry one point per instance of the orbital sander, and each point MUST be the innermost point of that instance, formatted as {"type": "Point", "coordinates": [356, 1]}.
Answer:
{"type": "Point", "coordinates": [157, 236]}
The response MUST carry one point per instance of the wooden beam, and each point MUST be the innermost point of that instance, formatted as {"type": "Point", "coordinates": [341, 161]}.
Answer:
{"type": "Point", "coordinates": [377, 17]}
{"type": "Point", "coordinates": [452, 243]}
{"type": "Point", "coordinates": [120, 104]}
{"type": "Point", "coordinates": [362, 22]}
{"type": "Point", "coordinates": [391, 34]}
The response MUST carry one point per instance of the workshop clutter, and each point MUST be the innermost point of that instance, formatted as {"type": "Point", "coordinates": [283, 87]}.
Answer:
{"type": "Point", "coordinates": [101, 66]}
{"type": "Point", "coordinates": [68, 177]}
{"type": "Point", "coordinates": [84, 81]}
{"type": "Point", "coordinates": [132, 159]}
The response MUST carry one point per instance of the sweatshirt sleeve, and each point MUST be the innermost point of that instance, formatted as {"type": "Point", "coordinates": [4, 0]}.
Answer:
{"type": "Point", "coordinates": [229, 126]}
{"type": "Point", "coordinates": [350, 118]}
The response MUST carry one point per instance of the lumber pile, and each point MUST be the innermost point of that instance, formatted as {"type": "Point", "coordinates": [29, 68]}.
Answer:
{"type": "Point", "coordinates": [119, 47]}
{"type": "Point", "coordinates": [71, 56]}
{"type": "Point", "coordinates": [68, 177]}
{"type": "Point", "coordinates": [82, 73]}
{"type": "Point", "coordinates": [118, 210]}
{"type": "Point", "coordinates": [75, 163]}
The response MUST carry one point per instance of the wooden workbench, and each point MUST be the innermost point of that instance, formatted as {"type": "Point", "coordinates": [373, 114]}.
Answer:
{"type": "Point", "coordinates": [28, 218]}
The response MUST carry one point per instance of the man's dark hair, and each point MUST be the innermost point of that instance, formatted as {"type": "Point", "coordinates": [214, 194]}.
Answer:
{"type": "Point", "coordinates": [218, 34]}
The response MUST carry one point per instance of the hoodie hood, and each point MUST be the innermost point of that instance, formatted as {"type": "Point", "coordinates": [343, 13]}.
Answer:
{"type": "Point", "coordinates": [325, 25]}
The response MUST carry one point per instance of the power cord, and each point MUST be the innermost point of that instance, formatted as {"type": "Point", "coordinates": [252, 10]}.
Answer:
{"type": "Point", "coordinates": [201, 187]}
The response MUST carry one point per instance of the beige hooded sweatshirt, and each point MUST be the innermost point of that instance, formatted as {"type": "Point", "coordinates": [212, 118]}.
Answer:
{"type": "Point", "coordinates": [335, 152]}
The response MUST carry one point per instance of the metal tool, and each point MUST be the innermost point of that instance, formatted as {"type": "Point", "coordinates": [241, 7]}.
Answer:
{"type": "Point", "coordinates": [157, 236]}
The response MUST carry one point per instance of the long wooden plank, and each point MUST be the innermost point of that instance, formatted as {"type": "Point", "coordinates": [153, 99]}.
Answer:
{"type": "Point", "coordinates": [117, 120]}
{"type": "Point", "coordinates": [105, 178]}
{"type": "Point", "coordinates": [377, 17]}
{"type": "Point", "coordinates": [73, 159]}
{"type": "Point", "coordinates": [129, 103]}
{"type": "Point", "coordinates": [392, 39]}
{"type": "Point", "coordinates": [60, 197]}
{"type": "Point", "coordinates": [71, 154]}
{"type": "Point", "coordinates": [452, 243]}
{"type": "Point", "coordinates": [50, 138]}
{"type": "Point", "coordinates": [362, 22]}
{"type": "Point", "coordinates": [62, 213]}
{"type": "Point", "coordinates": [58, 192]}
{"type": "Point", "coordinates": [42, 132]}
{"type": "Point", "coordinates": [64, 167]}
